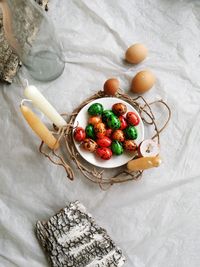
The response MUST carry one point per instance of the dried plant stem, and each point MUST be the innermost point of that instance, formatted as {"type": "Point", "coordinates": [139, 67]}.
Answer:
{"type": "Point", "coordinates": [91, 173]}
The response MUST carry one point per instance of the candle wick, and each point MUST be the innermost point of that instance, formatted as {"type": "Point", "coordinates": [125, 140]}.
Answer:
{"type": "Point", "coordinates": [24, 83]}
{"type": "Point", "coordinates": [25, 100]}
{"type": "Point", "coordinates": [149, 148]}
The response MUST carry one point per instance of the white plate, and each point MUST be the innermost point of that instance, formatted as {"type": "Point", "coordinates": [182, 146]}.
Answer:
{"type": "Point", "coordinates": [82, 120]}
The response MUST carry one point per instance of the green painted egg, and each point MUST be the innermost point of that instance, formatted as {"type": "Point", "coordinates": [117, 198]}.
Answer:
{"type": "Point", "coordinates": [95, 109]}
{"type": "Point", "coordinates": [90, 133]}
{"type": "Point", "coordinates": [117, 148]}
{"type": "Point", "coordinates": [131, 132]}
{"type": "Point", "coordinates": [106, 114]}
{"type": "Point", "coordinates": [113, 122]}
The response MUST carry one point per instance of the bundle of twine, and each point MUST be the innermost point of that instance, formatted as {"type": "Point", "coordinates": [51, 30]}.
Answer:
{"type": "Point", "coordinates": [98, 175]}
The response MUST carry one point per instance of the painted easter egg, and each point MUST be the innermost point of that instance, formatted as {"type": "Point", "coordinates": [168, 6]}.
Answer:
{"type": "Point", "coordinates": [113, 122]}
{"type": "Point", "coordinates": [104, 153]}
{"type": "Point", "coordinates": [131, 132]}
{"type": "Point", "coordinates": [109, 132]}
{"type": "Point", "coordinates": [95, 109]}
{"type": "Point", "coordinates": [104, 142]}
{"type": "Point", "coordinates": [130, 145]}
{"type": "Point", "coordinates": [132, 118]}
{"type": "Point", "coordinates": [90, 133]}
{"type": "Point", "coordinates": [123, 122]}
{"type": "Point", "coordinates": [94, 120]}
{"type": "Point", "coordinates": [89, 145]}
{"type": "Point", "coordinates": [117, 148]}
{"type": "Point", "coordinates": [106, 114]}
{"type": "Point", "coordinates": [79, 134]}
{"type": "Point", "coordinates": [100, 129]}
{"type": "Point", "coordinates": [119, 109]}
{"type": "Point", "coordinates": [118, 135]}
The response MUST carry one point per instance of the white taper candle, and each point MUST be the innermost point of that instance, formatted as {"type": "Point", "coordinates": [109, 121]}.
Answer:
{"type": "Point", "coordinates": [39, 101]}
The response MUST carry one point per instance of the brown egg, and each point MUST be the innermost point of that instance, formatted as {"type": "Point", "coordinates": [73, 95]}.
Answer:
{"type": "Point", "coordinates": [89, 145]}
{"type": "Point", "coordinates": [136, 53]}
{"type": "Point", "coordinates": [111, 86]}
{"type": "Point", "coordinates": [119, 109]}
{"type": "Point", "coordinates": [142, 82]}
{"type": "Point", "coordinates": [94, 120]}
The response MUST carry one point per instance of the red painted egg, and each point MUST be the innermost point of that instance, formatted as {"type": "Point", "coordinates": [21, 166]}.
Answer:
{"type": "Point", "coordinates": [104, 153]}
{"type": "Point", "coordinates": [132, 118]}
{"type": "Point", "coordinates": [108, 132]}
{"type": "Point", "coordinates": [100, 129]}
{"type": "Point", "coordinates": [79, 134]}
{"type": "Point", "coordinates": [130, 145]}
{"type": "Point", "coordinates": [123, 122]}
{"type": "Point", "coordinates": [104, 141]}
{"type": "Point", "coordinates": [118, 135]}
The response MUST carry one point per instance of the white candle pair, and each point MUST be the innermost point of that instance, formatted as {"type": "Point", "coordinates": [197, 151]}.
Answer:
{"type": "Point", "coordinates": [39, 101]}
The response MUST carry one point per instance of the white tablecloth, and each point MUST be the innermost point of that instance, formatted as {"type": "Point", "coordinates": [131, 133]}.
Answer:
{"type": "Point", "coordinates": [155, 220]}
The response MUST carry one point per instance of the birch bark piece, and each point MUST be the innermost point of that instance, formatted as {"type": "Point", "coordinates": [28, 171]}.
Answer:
{"type": "Point", "coordinates": [9, 61]}
{"type": "Point", "coordinates": [43, 3]}
{"type": "Point", "coordinates": [71, 238]}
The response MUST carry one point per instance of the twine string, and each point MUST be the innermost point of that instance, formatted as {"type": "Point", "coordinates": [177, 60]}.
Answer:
{"type": "Point", "coordinates": [94, 175]}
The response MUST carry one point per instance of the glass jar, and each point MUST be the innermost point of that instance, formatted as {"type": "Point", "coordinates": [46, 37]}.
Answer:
{"type": "Point", "coordinates": [31, 34]}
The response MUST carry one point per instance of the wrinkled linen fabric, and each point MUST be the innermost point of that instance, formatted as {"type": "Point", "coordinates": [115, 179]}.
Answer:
{"type": "Point", "coordinates": [154, 220]}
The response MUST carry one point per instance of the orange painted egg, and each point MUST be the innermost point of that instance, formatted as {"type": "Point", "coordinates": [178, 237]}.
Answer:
{"type": "Point", "coordinates": [100, 129]}
{"type": "Point", "coordinates": [130, 145]}
{"type": "Point", "coordinates": [119, 109]}
{"type": "Point", "coordinates": [118, 135]}
{"type": "Point", "coordinates": [89, 145]}
{"type": "Point", "coordinates": [94, 120]}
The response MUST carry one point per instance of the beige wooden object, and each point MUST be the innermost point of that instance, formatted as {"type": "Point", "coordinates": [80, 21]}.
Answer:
{"type": "Point", "coordinates": [144, 163]}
